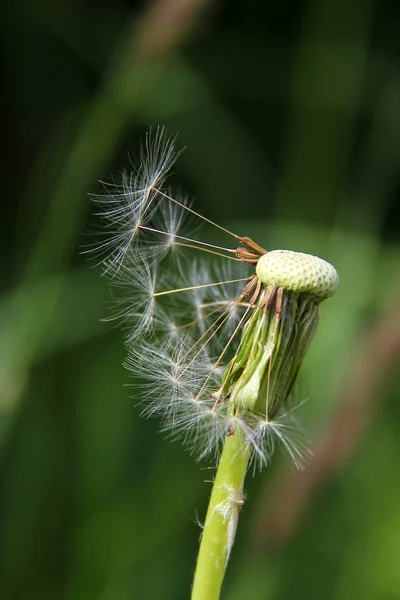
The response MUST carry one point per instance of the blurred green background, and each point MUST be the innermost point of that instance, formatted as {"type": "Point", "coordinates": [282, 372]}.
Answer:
{"type": "Point", "coordinates": [290, 113]}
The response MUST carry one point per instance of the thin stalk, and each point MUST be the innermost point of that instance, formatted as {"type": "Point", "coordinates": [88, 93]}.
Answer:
{"type": "Point", "coordinates": [221, 520]}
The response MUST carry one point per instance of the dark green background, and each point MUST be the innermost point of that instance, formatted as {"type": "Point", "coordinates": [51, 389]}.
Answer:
{"type": "Point", "coordinates": [290, 114]}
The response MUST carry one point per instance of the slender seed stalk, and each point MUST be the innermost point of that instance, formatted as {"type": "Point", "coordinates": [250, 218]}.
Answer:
{"type": "Point", "coordinates": [222, 516]}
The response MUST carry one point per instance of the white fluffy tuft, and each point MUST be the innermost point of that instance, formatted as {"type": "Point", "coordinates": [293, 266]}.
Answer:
{"type": "Point", "coordinates": [127, 206]}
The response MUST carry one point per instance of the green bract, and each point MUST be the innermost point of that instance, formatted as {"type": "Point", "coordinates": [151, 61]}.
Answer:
{"type": "Point", "coordinates": [261, 377]}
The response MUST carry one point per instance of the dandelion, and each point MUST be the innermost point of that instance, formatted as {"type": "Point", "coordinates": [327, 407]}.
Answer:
{"type": "Point", "coordinates": [217, 333]}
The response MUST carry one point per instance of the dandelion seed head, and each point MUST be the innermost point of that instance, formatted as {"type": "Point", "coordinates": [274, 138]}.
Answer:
{"type": "Point", "coordinates": [214, 343]}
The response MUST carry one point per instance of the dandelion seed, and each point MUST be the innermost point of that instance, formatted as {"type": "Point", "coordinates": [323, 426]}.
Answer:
{"type": "Point", "coordinates": [126, 208]}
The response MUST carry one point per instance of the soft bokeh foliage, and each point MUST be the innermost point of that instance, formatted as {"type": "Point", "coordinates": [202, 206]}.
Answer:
{"type": "Point", "coordinates": [290, 115]}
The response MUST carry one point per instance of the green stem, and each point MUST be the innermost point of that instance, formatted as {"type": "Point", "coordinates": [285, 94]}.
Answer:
{"type": "Point", "coordinates": [221, 520]}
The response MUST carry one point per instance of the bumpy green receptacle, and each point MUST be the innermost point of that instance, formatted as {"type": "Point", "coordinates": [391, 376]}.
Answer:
{"type": "Point", "coordinates": [298, 272]}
